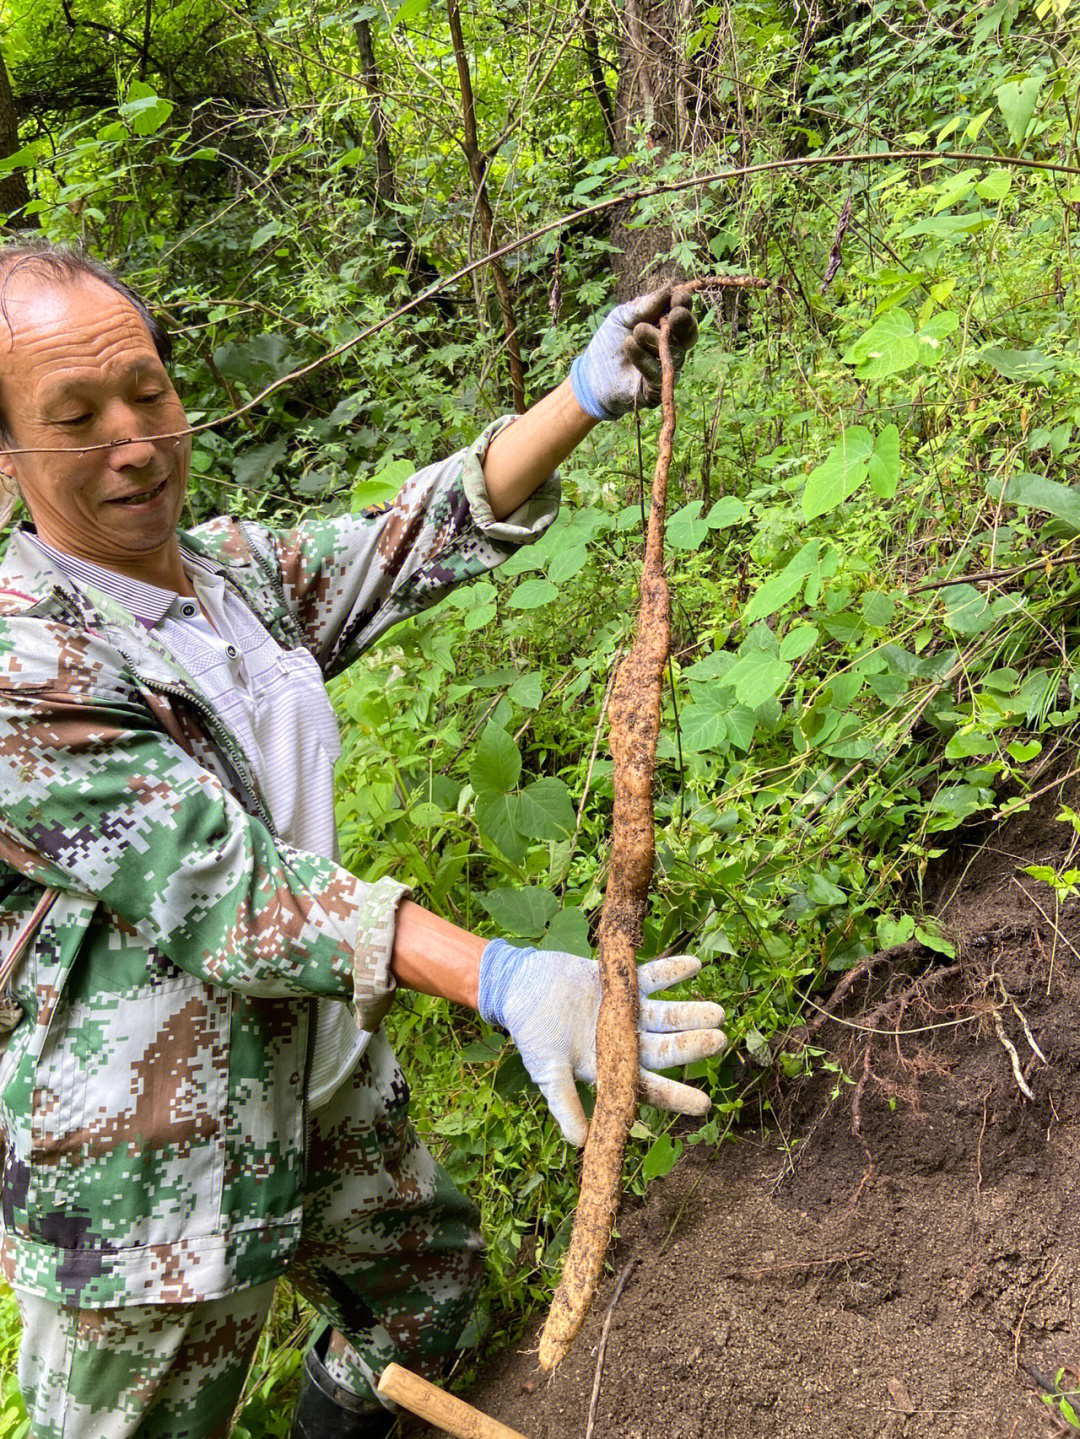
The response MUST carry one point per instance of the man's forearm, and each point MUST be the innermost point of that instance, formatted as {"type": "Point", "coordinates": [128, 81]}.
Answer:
{"type": "Point", "coordinates": [523, 455]}
{"type": "Point", "coordinates": [434, 956]}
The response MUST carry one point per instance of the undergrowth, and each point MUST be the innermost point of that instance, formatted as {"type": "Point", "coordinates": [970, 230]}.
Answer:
{"type": "Point", "coordinates": [872, 557]}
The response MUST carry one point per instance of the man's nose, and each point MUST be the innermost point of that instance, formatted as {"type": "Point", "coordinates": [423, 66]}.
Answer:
{"type": "Point", "coordinates": [128, 449]}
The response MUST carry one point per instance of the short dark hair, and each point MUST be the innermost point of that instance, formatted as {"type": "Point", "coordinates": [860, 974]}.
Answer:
{"type": "Point", "coordinates": [66, 265]}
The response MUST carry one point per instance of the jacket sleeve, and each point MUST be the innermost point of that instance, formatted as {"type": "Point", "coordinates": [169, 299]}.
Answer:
{"type": "Point", "coordinates": [350, 577]}
{"type": "Point", "coordinates": [96, 800]}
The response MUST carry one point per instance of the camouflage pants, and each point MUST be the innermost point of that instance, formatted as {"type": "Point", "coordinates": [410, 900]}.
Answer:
{"type": "Point", "coordinates": [390, 1257]}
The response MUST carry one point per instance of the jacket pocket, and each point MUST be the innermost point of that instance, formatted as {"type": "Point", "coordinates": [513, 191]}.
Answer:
{"type": "Point", "coordinates": [126, 1125]}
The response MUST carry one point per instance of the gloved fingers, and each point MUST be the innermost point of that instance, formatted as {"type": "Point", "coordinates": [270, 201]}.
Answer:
{"type": "Point", "coordinates": [670, 1094]}
{"type": "Point", "coordinates": [563, 1100]}
{"type": "Point", "coordinates": [667, 1051]}
{"type": "Point", "coordinates": [647, 339]}
{"type": "Point", "coordinates": [642, 357]}
{"type": "Point", "coordinates": [645, 308]}
{"type": "Point", "coordinates": [672, 1016]}
{"type": "Point", "coordinates": [663, 973]}
{"type": "Point", "coordinates": [683, 328]}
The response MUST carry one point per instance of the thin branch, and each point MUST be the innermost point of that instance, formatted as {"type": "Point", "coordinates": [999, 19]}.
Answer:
{"type": "Point", "coordinates": [671, 187]}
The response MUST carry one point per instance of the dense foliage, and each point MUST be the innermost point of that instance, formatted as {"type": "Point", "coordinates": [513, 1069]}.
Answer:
{"type": "Point", "coordinates": [277, 178]}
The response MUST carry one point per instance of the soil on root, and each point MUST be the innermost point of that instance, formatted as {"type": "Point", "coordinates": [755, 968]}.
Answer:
{"type": "Point", "coordinates": [778, 1291]}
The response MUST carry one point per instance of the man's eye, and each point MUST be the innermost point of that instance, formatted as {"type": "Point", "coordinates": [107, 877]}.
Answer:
{"type": "Point", "coordinates": [76, 419]}
{"type": "Point", "coordinates": [151, 399]}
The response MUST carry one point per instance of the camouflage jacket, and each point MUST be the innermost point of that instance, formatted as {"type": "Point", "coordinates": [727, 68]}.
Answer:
{"type": "Point", "coordinates": [152, 1095]}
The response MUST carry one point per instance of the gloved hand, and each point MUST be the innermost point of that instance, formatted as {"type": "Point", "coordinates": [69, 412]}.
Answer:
{"type": "Point", "coordinates": [621, 367]}
{"type": "Point", "coordinates": [549, 1002]}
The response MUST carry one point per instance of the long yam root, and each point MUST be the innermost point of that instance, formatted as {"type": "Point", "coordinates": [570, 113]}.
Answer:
{"type": "Point", "coordinates": [635, 725]}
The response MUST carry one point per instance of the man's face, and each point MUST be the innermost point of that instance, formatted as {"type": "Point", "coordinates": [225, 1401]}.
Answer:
{"type": "Point", "coordinates": [78, 368]}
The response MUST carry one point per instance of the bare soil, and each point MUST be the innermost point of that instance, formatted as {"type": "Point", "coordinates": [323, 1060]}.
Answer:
{"type": "Point", "coordinates": [919, 1281]}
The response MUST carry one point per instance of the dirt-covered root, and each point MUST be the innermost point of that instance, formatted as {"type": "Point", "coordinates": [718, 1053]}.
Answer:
{"type": "Point", "coordinates": [635, 725]}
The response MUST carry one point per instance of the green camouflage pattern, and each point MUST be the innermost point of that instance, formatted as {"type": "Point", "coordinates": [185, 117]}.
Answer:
{"type": "Point", "coordinates": [152, 1097]}
{"type": "Point", "coordinates": [389, 1255]}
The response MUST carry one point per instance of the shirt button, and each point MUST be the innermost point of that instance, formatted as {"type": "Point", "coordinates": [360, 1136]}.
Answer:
{"type": "Point", "coordinates": [231, 651]}
{"type": "Point", "coordinates": [294, 1077]}
{"type": "Point", "coordinates": [187, 610]}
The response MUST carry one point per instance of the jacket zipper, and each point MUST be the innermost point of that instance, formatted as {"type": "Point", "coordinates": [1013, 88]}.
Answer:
{"type": "Point", "coordinates": [237, 758]}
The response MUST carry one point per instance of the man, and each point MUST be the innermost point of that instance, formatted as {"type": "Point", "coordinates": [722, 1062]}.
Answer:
{"type": "Point", "coordinates": [196, 1097]}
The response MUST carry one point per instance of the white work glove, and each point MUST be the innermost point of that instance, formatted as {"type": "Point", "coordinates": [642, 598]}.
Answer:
{"type": "Point", "coordinates": [549, 1001]}
{"type": "Point", "coordinates": [620, 370]}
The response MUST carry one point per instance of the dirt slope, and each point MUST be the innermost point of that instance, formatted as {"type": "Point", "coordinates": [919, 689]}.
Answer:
{"type": "Point", "coordinates": [799, 1297]}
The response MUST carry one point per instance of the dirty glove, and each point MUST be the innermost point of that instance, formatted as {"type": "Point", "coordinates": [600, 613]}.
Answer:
{"type": "Point", "coordinates": [621, 367]}
{"type": "Point", "coordinates": [549, 1002]}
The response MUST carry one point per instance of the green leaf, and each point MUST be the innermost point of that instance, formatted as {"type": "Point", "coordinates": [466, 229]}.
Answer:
{"type": "Point", "coordinates": [780, 588]}
{"type": "Point", "coordinates": [888, 347]}
{"type": "Point", "coordinates": [1027, 366]}
{"type": "Point", "coordinates": [840, 474]}
{"type": "Point", "coordinates": [565, 563]}
{"type": "Point", "coordinates": [799, 641]}
{"type": "Point", "coordinates": [528, 691]}
{"type": "Point", "coordinates": [568, 931]}
{"type": "Point", "coordinates": [936, 941]}
{"type": "Point", "coordinates": [878, 609]}
{"type": "Point", "coordinates": [496, 765]}
{"type": "Point", "coordinates": [1016, 101]}
{"type": "Point", "coordinates": [662, 1158]}
{"type": "Point", "coordinates": [545, 810]}
{"type": "Point", "coordinates": [741, 723]}
{"type": "Point", "coordinates": [728, 510]}
{"type": "Point", "coordinates": [894, 931]}
{"type": "Point", "coordinates": [476, 619]}
{"type": "Point", "coordinates": [497, 818]}
{"type": "Point", "coordinates": [269, 231]}
{"type": "Point", "coordinates": [531, 594]}
{"type": "Point", "coordinates": [936, 329]}
{"type": "Point", "coordinates": [703, 726]}
{"type": "Point", "coordinates": [409, 10]}
{"type": "Point", "coordinates": [883, 467]}
{"type": "Point", "coordinates": [1061, 501]}
{"type": "Point", "coordinates": [756, 677]}
{"type": "Point", "coordinates": [995, 187]}
{"type": "Point", "coordinates": [144, 110]}
{"type": "Point", "coordinates": [685, 531]}
{"type": "Point", "coordinates": [1021, 752]}
{"type": "Point", "coordinates": [524, 913]}
{"type": "Point", "coordinates": [820, 891]}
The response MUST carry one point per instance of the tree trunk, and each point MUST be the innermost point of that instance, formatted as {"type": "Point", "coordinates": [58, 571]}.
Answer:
{"type": "Point", "coordinates": [14, 195]}
{"type": "Point", "coordinates": [477, 163]}
{"type": "Point", "coordinates": [384, 164]}
{"type": "Point", "coordinates": [596, 73]}
{"type": "Point", "coordinates": [657, 100]}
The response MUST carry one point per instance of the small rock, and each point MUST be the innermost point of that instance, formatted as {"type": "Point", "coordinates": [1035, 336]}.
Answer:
{"type": "Point", "coordinates": [900, 1397]}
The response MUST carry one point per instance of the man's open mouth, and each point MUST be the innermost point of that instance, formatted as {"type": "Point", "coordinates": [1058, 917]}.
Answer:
{"type": "Point", "coordinates": [143, 495]}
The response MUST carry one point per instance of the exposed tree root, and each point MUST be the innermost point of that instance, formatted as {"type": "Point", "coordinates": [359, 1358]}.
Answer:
{"type": "Point", "coordinates": [635, 724]}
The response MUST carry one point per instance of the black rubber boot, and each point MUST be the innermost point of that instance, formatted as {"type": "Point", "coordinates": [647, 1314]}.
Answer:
{"type": "Point", "coordinates": [327, 1411]}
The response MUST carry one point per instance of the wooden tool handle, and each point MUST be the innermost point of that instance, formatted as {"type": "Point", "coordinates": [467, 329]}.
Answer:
{"type": "Point", "coordinates": [439, 1408]}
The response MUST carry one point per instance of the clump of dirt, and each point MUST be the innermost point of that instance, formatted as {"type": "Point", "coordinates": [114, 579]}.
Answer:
{"type": "Point", "coordinates": [906, 1270]}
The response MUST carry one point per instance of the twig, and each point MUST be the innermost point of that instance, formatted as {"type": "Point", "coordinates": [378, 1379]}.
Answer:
{"type": "Point", "coordinates": [978, 1150]}
{"type": "Point", "coordinates": [803, 1264]}
{"type": "Point", "coordinates": [986, 576]}
{"type": "Point", "coordinates": [1014, 1058]}
{"type": "Point", "coordinates": [1032, 900]}
{"type": "Point", "coordinates": [601, 1352]}
{"type": "Point", "coordinates": [1023, 1313]}
{"type": "Point", "coordinates": [592, 761]}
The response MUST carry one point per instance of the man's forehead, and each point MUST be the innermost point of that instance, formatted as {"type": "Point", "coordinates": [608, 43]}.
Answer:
{"type": "Point", "coordinates": [38, 307]}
